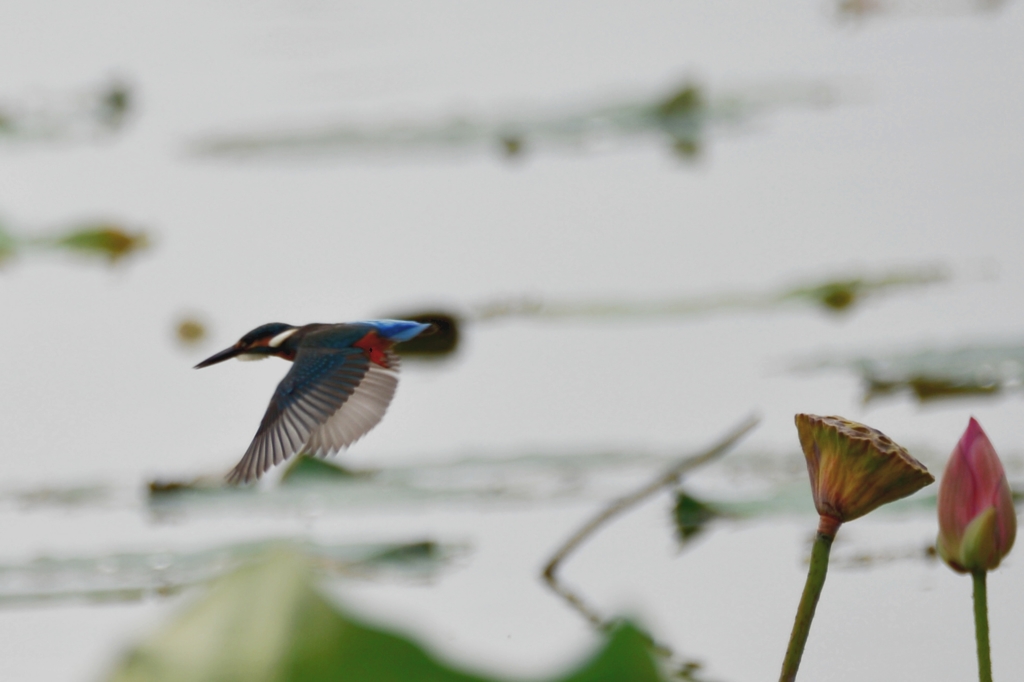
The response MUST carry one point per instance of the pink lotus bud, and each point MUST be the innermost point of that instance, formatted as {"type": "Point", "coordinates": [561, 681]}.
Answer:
{"type": "Point", "coordinates": [854, 468]}
{"type": "Point", "coordinates": [977, 521]}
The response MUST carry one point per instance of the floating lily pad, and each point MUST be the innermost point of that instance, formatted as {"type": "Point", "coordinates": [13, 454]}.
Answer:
{"type": "Point", "coordinates": [681, 118]}
{"type": "Point", "coordinates": [931, 374]}
{"type": "Point", "coordinates": [66, 116]}
{"type": "Point", "coordinates": [840, 295]}
{"type": "Point", "coordinates": [72, 496]}
{"type": "Point", "coordinates": [127, 576]}
{"type": "Point", "coordinates": [860, 10]}
{"type": "Point", "coordinates": [163, 487]}
{"type": "Point", "coordinates": [476, 480]}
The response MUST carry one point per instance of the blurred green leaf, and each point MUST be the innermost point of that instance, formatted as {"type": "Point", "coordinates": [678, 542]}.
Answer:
{"type": "Point", "coordinates": [687, 100]}
{"type": "Point", "coordinates": [836, 296]}
{"type": "Point", "coordinates": [405, 554]}
{"type": "Point", "coordinates": [691, 516]}
{"type": "Point", "coordinates": [113, 104]}
{"type": "Point", "coordinates": [268, 623]}
{"type": "Point", "coordinates": [626, 657]}
{"type": "Point", "coordinates": [840, 295]}
{"type": "Point", "coordinates": [683, 116]}
{"type": "Point", "coordinates": [304, 468]}
{"type": "Point", "coordinates": [103, 239]}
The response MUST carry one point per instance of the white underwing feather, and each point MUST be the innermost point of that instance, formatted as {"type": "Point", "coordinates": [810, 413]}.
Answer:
{"type": "Point", "coordinates": [361, 412]}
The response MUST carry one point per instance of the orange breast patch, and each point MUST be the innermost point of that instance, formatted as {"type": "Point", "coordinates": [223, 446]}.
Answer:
{"type": "Point", "coordinates": [376, 348]}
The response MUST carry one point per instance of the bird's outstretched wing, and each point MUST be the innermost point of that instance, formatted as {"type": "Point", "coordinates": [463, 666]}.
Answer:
{"type": "Point", "coordinates": [328, 400]}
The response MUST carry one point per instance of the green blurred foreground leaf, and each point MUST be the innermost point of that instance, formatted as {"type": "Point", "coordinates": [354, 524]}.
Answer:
{"type": "Point", "coordinates": [268, 623]}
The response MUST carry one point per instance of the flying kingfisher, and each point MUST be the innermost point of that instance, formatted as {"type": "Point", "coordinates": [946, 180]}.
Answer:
{"type": "Point", "coordinates": [342, 379]}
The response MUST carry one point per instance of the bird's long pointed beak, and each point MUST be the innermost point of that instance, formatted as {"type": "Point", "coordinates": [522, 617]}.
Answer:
{"type": "Point", "coordinates": [225, 354]}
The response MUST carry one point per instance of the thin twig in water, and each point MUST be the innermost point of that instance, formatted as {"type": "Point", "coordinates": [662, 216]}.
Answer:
{"type": "Point", "coordinates": [669, 477]}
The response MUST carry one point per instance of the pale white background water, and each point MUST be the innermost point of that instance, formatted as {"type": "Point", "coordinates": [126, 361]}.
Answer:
{"type": "Point", "coordinates": [921, 162]}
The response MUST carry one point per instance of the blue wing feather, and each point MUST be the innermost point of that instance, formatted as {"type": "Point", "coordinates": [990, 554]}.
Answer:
{"type": "Point", "coordinates": [397, 330]}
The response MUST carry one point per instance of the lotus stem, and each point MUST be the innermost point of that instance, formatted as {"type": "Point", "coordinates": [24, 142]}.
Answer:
{"type": "Point", "coordinates": [981, 626]}
{"type": "Point", "coordinates": [809, 601]}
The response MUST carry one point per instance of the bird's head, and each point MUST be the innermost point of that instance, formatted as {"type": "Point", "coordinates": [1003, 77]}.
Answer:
{"type": "Point", "coordinates": [263, 341]}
